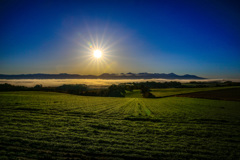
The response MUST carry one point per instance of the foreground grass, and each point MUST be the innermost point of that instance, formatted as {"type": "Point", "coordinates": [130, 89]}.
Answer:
{"type": "Point", "coordinates": [41, 125]}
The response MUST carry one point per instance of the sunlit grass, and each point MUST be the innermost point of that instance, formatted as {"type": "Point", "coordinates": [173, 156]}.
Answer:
{"type": "Point", "coordinates": [42, 125]}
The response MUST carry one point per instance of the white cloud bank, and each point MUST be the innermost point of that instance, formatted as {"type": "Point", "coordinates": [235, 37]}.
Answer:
{"type": "Point", "coordinates": [95, 82]}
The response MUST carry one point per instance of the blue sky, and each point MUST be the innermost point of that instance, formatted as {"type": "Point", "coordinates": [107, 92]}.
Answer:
{"type": "Point", "coordinates": [184, 37]}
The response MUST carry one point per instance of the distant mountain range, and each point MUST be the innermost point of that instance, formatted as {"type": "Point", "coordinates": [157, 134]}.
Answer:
{"type": "Point", "coordinates": [129, 75]}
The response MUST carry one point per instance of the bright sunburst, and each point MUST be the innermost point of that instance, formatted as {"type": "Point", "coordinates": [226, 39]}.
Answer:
{"type": "Point", "coordinates": [97, 54]}
{"type": "Point", "coordinates": [98, 49]}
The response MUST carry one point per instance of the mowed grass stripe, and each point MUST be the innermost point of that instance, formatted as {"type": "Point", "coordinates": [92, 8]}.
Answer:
{"type": "Point", "coordinates": [133, 106]}
{"type": "Point", "coordinates": [121, 108]}
{"type": "Point", "coordinates": [110, 108]}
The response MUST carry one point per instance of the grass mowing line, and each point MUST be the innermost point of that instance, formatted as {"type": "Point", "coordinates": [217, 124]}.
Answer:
{"type": "Point", "coordinates": [145, 109]}
{"type": "Point", "coordinates": [131, 109]}
{"type": "Point", "coordinates": [111, 107]}
{"type": "Point", "coordinates": [97, 108]}
{"type": "Point", "coordinates": [141, 112]}
{"type": "Point", "coordinates": [140, 108]}
{"type": "Point", "coordinates": [121, 108]}
{"type": "Point", "coordinates": [92, 106]}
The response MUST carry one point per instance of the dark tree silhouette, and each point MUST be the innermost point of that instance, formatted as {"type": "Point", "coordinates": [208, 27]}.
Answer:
{"type": "Point", "coordinates": [145, 91]}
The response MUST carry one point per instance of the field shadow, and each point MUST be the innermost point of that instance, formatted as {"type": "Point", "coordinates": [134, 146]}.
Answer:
{"type": "Point", "coordinates": [230, 94]}
{"type": "Point", "coordinates": [137, 118]}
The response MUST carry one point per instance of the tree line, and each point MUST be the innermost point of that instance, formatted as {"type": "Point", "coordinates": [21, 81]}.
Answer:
{"type": "Point", "coordinates": [113, 90]}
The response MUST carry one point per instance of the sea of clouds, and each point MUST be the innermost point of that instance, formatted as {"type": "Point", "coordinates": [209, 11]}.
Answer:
{"type": "Point", "coordinates": [94, 82]}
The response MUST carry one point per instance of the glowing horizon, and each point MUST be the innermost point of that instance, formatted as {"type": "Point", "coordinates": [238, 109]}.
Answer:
{"type": "Point", "coordinates": [64, 40]}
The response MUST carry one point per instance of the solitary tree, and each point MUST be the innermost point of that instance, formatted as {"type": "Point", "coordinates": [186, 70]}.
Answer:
{"type": "Point", "coordinates": [145, 91]}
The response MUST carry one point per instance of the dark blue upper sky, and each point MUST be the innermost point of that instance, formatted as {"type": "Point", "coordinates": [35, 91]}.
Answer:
{"type": "Point", "coordinates": [194, 37]}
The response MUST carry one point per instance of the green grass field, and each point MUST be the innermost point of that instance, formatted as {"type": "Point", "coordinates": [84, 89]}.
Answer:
{"type": "Point", "coordinates": [165, 92]}
{"type": "Point", "coordinates": [134, 94]}
{"type": "Point", "coordinates": [46, 125]}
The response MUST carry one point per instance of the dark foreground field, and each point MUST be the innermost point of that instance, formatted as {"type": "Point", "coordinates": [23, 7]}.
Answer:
{"type": "Point", "coordinates": [45, 125]}
{"type": "Point", "coordinates": [231, 94]}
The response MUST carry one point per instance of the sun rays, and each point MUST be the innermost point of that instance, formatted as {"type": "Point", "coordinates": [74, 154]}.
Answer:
{"type": "Point", "coordinates": [98, 51]}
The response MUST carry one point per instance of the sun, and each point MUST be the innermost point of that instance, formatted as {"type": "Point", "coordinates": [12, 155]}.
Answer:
{"type": "Point", "coordinates": [97, 53]}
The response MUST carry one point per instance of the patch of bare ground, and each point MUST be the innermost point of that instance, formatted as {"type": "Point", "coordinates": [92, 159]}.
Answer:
{"type": "Point", "coordinates": [231, 94]}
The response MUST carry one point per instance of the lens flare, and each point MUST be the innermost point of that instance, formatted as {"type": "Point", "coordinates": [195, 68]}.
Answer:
{"type": "Point", "coordinates": [90, 45]}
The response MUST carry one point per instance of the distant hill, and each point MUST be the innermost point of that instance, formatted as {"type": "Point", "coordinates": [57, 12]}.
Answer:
{"type": "Point", "coordinates": [102, 76]}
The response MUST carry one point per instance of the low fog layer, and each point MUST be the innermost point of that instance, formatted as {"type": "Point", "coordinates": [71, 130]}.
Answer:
{"type": "Point", "coordinates": [94, 82]}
